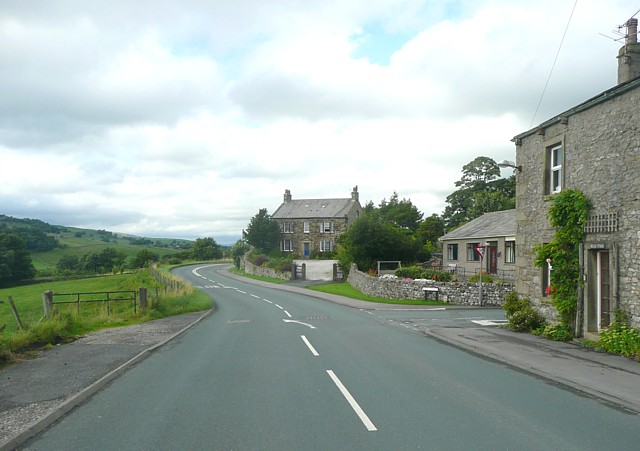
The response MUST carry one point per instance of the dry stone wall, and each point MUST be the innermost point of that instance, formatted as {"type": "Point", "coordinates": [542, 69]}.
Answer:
{"type": "Point", "coordinates": [250, 268]}
{"type": "Point", "coordinates": [458, 293]}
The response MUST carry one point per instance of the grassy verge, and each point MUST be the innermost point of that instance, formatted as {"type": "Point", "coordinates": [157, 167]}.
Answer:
{"type": "Point", "coordinates": [345, 289]}
{"type": "Point", "coordinates": [67, 323]}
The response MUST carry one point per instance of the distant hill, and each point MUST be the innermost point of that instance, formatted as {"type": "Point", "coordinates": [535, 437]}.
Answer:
{"type": "Point", "coordinates": [48, 243]}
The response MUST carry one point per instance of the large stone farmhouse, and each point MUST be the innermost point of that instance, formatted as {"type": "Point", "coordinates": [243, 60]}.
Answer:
{"type": "Point", "coordinates": [310, 226]}
{"type": "Point", "coordinates": [593, 147]}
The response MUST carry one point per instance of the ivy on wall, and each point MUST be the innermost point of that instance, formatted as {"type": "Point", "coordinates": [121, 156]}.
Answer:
{"type": "Point", "coordinates": [568, 215]}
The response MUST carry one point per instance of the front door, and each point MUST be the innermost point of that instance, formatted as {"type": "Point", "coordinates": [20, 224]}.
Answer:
{"type": "Point", "coordinates": [492, 259]}
{"type": "Point", "coordinates": [603, 290]}
{"type": "Point", "coordinates": [306, 249]}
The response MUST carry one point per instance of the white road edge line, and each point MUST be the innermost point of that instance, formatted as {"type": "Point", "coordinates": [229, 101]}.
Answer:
{"type": "Point", "coordinates": [352, 402]}
{"type": "Point", "coordinates": [310, 346]}
{"type": "Point", "coordinates": [287, 313]}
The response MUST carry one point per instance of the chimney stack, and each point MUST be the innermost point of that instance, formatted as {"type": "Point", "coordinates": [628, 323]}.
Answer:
{"type": "Point", "coordinates": [287, 196]}
{"type": "Point", "coordinates": [629, 54]}
{"type": "Point", "coordinates": [354, 193]}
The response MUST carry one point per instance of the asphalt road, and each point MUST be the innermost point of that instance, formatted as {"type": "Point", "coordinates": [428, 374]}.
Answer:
{"type": "Point", "coordinates": [277, 370]}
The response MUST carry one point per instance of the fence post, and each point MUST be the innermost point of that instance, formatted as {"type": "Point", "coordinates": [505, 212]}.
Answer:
{"type": "Point", "coordinates": [304, 271]}
{"type": "Point", "coordinates": [142, 297]}
{"type": "Point", "coordinates": [15, 312]}
{"type": "Point", "coordinates": [47, 301]}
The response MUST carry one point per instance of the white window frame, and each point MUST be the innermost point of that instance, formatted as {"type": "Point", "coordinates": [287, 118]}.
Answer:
{"type": "Point", "coordinates": [450, 252]}
{"type": "Point", "coordinates": [472, 254]}
{"type": "Point", "coordinates": [510, 251]}
{"type": "Point", "coordinates": [307, 227]}
{"type": "Point", "coordinates": [287, 227]}
{"type": "Point", "coordinates": [326, 227]}
{"type": "Point", "coordinates": [326, 245]}
{"type": "Point", "coordinates": [286, 246]}
{"type": "Point", "coordinates": [555, 169]}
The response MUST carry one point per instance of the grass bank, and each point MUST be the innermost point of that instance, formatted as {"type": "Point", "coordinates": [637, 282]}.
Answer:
{"type": "Point", "coordinates": [67, 323]}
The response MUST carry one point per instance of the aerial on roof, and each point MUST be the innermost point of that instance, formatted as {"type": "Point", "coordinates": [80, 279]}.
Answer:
{"type": "Point", "coordinates": [494, 224]}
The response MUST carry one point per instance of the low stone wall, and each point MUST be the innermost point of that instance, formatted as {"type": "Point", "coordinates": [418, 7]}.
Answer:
{"type": "Point", "coordinates": [458, 293]}
{"type": "Point", "coordinates": [250, 268]}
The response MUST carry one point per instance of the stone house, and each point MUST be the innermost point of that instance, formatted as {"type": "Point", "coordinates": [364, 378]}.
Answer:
{"type": "Point", "coordinates": [308, 226]}
{"type": "Point", "coordinates": [496, 231]}
{"type": "Point", "coordinates": [593, 147]}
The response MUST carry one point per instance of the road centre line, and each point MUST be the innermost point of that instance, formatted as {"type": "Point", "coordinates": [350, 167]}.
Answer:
{"type": "Point", "coordinates": [267, 300]}
{"type": "Point", "coordinates": [240, 291]}
{"type": "Point", "coordinates": [310, 346]}
{"type": "Point", "coordinates": [310, 326]}
{"type": "Point", "coordinates": [352, 402]}
{"type": "Point", "coordinates": [279, 306]}
{"type": "Point", "coordinates": [287, 313]}
{"type": "Point", "coordinates": [254, 296]}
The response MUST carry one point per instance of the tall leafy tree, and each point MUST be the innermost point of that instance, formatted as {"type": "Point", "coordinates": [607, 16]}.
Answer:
{"type": "Point", "coordinates": [206, 249]}
{"type": "Point", "coordinates": [263, 232]}
{"type": "Point", "coordinates": [428, 233]}
{"type": "Point", "coordinates": [15, 261]}
{"type": "Point", "coordinates": [371, 238]}
{"type": "Point", "coordinates": [401, 212]}
{"type": "Point", "coordinates": [480, 191]}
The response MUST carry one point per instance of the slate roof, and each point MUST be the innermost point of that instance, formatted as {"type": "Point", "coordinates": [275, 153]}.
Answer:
{"type": "Point", "coordinates": [314, 208]}
{"type": "Point", "coordinates": [489, 225]}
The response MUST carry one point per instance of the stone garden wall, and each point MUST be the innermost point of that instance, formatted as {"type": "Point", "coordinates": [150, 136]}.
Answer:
{"type": "Point", "coordinates": [458, 293]}
{"type": "Point", "coordinates": [250, 268]}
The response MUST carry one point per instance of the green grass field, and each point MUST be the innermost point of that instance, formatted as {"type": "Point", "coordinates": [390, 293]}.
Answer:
{"type": "Point", "coordinates": [67, 323]}
{"type": "Point", "coordinates": [79, 242]}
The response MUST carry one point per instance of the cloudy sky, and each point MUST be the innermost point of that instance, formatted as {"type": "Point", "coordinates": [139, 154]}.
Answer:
{"type": "Point", "coordinates": [183, 119]}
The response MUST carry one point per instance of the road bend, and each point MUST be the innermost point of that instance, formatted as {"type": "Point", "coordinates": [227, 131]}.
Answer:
{"type": "Point", "coordinates": [272, 369]}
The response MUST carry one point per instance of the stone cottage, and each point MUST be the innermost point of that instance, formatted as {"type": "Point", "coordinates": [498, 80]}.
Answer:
{"type": "Point", "coordinates": [313, 225]}
{"type": "Point", "coordinates": [496, 232]}
{"type": "Point", "coordinates": [595, 148]}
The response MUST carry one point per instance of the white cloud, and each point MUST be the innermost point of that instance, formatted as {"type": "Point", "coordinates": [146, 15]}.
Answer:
{"type": "Point", "coordinates": [183, 119]}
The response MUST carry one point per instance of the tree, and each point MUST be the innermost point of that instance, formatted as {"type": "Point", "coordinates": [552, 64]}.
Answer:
{"type": "Point", "coordinates": [206, 249]}
{"type": "Point", "coordinates": [401, 212]}
{"type": "Point", "coordinates": [143, 258]}
{"type": "Point", "coordinates": [480, 191]}
{"type": "Point", "coordinates": [263, 232]}
{"type": "Point", "coordinates": [371, 238]}
{"type": "Point", "coordinates": [237, 251]}
{"type": "Point", "coordinates": [428, 233]}
{"type": "Point", "coordinates": [69, 264]}
{"type": "Point", "coordinates": [15, 261]}
{"type": "Point", "coordinates": [105, 261]}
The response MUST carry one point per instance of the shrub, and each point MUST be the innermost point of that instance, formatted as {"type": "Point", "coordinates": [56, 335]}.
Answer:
{"type": "Point", "coordinates": [416, 272]}
{"type": "Point", "coordinates": [621, 339]}
{"type": "Point", "coordinates": [521, 316]}
{"type": "Point", "coordinates": [555, 332]}
{"type": "Point", "coordinates": [512, 303]}
{"type": "Point", "coordinates": [486, 278]}
{"type": "Point", "coordinates": [260, 260]}
{"type": "Point", "coordinates": [526, 320]}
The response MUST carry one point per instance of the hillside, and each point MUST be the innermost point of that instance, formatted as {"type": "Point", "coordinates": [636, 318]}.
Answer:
{"type": "Point", "coordinates": [48, 243]}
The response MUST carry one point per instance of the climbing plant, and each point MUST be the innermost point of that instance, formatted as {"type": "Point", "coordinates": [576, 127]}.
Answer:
{"type": "Point", "coordinates": [568, 214]}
